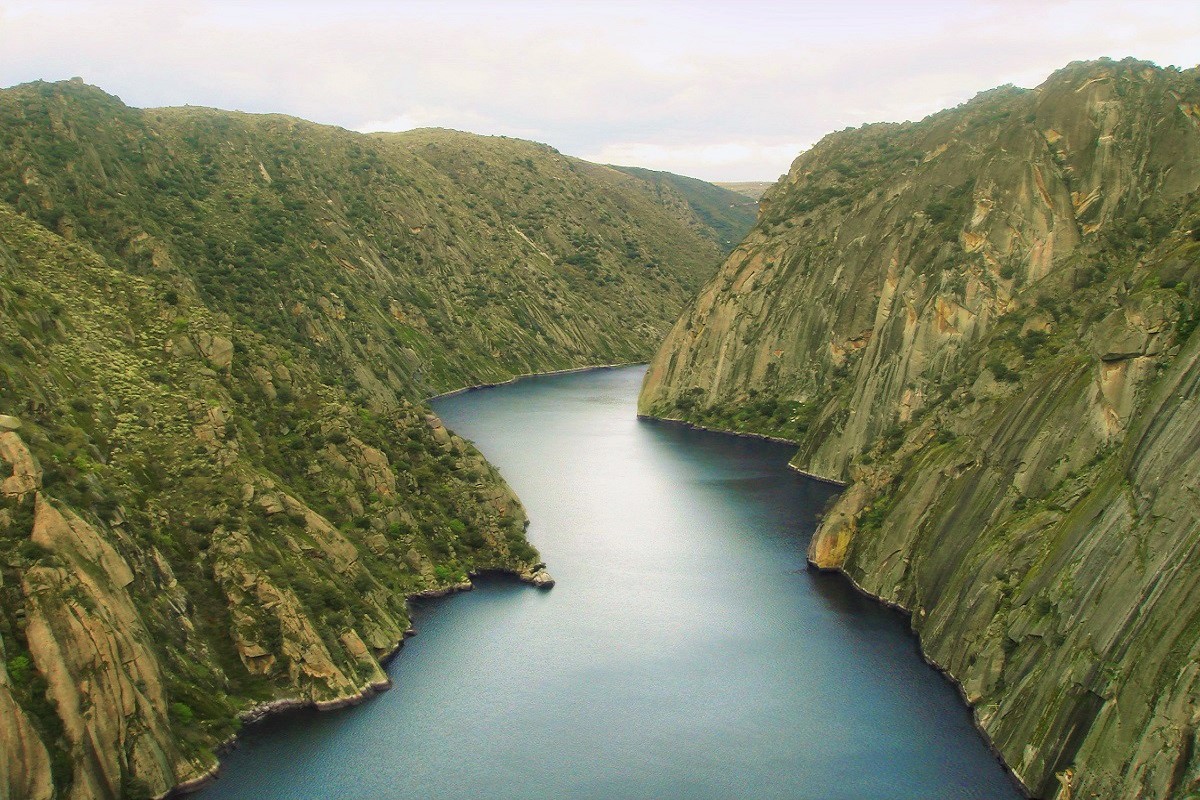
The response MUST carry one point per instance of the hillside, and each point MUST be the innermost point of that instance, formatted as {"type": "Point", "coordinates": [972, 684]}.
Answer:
{"type": "Point", "coordinates": [702, 205]}
{"type": "Point", "coordinates": [752, 189]}
{"type": "Point", "coordinates": [220, 477]}
{"type": "Point", "coordinates": [985, 323]}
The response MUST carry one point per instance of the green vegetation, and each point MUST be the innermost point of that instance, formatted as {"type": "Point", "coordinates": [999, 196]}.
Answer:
{"type": "Point", "coordinates": [760, 414]}
{"type": "Point", "coordinates": [722, 210]}
{"type": "Point", "coordinates": [218, 332]}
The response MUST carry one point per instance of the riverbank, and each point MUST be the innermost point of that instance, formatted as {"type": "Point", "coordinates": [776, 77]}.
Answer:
{"type": "Point", "coordinates": [949, 676]}
{"type": "Point", "coordinates": [535, 576]}
{"type": "Point", "coordinates": [524, 375]}
{"type": "Point", "coordinates": [698, 427]}
{"type": "Point", "coordinates": [746, 435]}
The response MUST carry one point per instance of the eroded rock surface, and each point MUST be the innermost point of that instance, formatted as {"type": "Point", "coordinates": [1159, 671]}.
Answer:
{"type": "Point", "coordinates": [984, 322]}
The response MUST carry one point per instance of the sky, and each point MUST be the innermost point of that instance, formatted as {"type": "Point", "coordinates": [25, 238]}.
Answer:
{"type": "Point", "coordinates": [729, 91]}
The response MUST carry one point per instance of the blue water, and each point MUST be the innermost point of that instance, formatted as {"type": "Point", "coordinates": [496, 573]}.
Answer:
{"type": "Point", "coordinates": [686, 652]}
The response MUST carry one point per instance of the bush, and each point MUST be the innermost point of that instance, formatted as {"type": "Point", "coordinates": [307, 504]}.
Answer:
{"type": "Point", "coordinates": [182, 713]}
{"type": "Point", "coordinates": [1001, 371]}
{"type": "Point", "coordinates": [1032, 341]}
{"type": "Point", "coordinates": [18, 669]}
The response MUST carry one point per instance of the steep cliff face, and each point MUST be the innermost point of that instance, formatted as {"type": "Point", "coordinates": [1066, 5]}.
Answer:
{"type": "Point", "coordinates": [219, 480]}
{"type": "Point", "coordinates": [984, 323]}
{"type": "Point", "coordinates": [884, 258]}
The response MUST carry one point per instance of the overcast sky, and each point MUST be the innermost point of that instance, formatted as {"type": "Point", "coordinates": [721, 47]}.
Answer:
{"type": "Point", "coordinates": [717, 90]}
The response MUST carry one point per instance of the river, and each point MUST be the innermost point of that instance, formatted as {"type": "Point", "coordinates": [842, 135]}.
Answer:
{"type": "Point", "coordinates": [686, 652]}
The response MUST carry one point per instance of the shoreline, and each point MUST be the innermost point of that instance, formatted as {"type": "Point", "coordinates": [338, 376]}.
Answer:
{"type": "Point", "coordinates": [535, 577]}
{"type": "Point", "coordinates": [747, 435]}
{"type": "Point", "coordinates": [943, 671]}
{"type": "Point", "coordinates": [568, 371]}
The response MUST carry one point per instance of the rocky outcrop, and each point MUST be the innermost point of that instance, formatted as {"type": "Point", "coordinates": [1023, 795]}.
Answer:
{"type": "Point", "coordinates": [216, 349]}
{"type": "Point", "coordinates": [25, 475]}
{"type": "Point", "coordinates": [24, 762]}
{"type": "Point", "coordinates": [984, 322]}
{"type": "Point", "coordinates": [85, 636]}
{"type": "Point", "coordinates": [537, 576]}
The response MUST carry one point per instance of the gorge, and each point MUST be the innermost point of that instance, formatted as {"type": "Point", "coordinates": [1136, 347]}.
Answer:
{"type": "Point", "coordinates": [685, 651]}
{"type": "Point", "coordinates": [222, 478]}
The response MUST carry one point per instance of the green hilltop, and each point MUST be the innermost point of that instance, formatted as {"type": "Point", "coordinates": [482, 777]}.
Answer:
{"type": "Point", "coordinates": [217, 334]}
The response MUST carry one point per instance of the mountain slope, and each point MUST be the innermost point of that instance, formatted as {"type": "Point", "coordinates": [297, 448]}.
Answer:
{"type": "Point", "coordinates": [219, 480]}
{"type": "Point", "coordinates": [724, 211]}
{"type": "Point", "coordinates": [985, 321]}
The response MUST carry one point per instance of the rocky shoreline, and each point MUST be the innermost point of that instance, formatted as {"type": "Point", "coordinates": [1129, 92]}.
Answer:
{"type": "Point", "coordinates": [746, 435]}
{"type": "Point", "coordinates": [943, 671]}
{"type": "Point", "coordinates": [820, 478]}
{"type": "Point", "coordinates": [536, 576]}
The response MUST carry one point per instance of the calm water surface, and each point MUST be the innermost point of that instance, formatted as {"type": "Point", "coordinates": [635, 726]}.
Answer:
{"type": "Point", "coordinates": [685, 653]}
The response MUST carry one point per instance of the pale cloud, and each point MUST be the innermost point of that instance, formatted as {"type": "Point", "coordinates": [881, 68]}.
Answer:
{"type": "Point", "coordinates": [404, 122]}
{"type": "Point", "coordinates": [714, 158]}
{"type": "Point", "coordinates": [714, 89]}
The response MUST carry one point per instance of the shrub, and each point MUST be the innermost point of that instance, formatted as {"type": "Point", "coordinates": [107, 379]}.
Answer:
{"type": "Point", "coordinates": [18, 669]}
{"type": "Point", "coordinates": [1001, 371]}
{"type": "Point", "coordinates": [182, 713]}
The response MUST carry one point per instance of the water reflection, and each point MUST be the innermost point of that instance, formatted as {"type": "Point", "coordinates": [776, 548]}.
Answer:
{"type": "Point", "coordinates": [686, 651]}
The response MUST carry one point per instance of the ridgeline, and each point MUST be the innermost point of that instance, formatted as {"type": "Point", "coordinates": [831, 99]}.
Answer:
{"type": "Point", "coordinates": [218, 332]}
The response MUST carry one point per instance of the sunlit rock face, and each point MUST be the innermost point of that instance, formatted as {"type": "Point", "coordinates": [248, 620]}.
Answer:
{"type": "Point", "coordinates": [984, 322]}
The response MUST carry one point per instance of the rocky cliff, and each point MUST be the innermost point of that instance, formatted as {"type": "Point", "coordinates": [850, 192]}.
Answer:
{"type": "Point", "coordinates": [219, 481]}
{"type": "Point", "coordinates": [984, 323]}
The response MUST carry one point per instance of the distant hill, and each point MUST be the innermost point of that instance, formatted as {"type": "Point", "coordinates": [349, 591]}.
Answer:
{"type": "Point", "coordinates": [752, 189]}
{"type": "Point", "coordinates": [699, 203]}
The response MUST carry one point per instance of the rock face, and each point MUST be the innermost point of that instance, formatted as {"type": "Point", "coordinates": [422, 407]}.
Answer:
{"type": "Point", "coordinates": [86, 637]}
{"type": "Point", "coordinates": [984, 323]}
{"type": "Point", "coordinates": [219, 477]}
{"type": "Point", "coordinates": [24, 762]}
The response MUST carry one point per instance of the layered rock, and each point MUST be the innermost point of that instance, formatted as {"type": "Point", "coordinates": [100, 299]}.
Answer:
{"type": "Point", "coordinates": [219, 477]}
{"type": "Point", "coordinates": [984, 323]}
